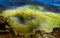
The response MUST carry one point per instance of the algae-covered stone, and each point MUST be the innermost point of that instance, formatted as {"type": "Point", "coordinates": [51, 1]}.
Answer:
{"type": "Point", "coordinates": [28, 18]}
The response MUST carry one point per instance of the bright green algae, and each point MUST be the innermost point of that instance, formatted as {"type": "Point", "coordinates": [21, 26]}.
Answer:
{"type": "Point", "coordinates": [35, 17]}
